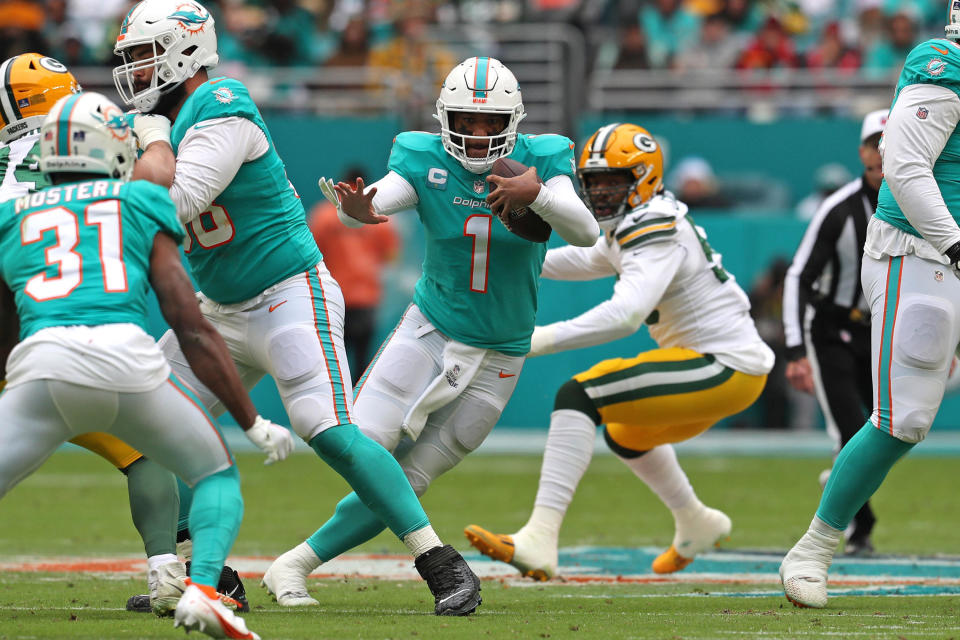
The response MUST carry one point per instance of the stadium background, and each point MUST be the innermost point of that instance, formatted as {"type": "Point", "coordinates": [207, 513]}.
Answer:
{"type": "Point", "coordinates": [767, 95]}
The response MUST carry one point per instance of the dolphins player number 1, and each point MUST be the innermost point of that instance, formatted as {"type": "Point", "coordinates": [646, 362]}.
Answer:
{"type": "Point", "coordinates": [478, 226]}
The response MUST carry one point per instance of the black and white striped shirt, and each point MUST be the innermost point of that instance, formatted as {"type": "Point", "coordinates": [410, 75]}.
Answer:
{"type": "Point", "coordinates": [825, 272]}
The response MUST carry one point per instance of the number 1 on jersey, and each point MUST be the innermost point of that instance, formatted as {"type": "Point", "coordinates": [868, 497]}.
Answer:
{"type": "Point", "coordinates": [478, 226]}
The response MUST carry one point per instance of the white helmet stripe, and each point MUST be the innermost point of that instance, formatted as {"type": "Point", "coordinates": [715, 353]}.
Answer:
{"type": "Point", "coordinates": [8, 103]}
{"type": "Point", "coordinates": [600, 142]}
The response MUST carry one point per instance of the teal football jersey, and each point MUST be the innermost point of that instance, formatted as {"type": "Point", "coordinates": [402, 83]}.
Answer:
{"type": "Point", "coordinates": [79, 253]}
{"type": "Point", "coordinates": [255, 233]}
{"type": "Point", "coordinates": [932, 62]}
{"type": "Point", "coordinates": [480, 282]}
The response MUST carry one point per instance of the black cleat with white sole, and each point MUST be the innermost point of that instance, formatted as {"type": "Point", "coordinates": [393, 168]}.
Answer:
{"type": "Point", "coordinates": [230, 588]}
{"type": "Point", "coordinates": [455, 587]}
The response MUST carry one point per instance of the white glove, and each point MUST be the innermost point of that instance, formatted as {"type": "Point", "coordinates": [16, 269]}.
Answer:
{"type": "Point", "coordinates": [326, 188]}
{"type": "Point", "coordinates": [150, 129]}
{"type": "Point", "coordinates": [542, 341]}
{"type": "Point", "coordinates": [272, 439]}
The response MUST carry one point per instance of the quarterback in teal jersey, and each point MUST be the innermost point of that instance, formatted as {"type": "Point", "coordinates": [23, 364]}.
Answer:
{"type": "Point", "coordinates": [445, 374]}
{"type": "Point", "coordinates": [262, 280]}
{"type": "Point", "coordinates": [77, 260]}
{"type": "Point", "coordinates": [911, 279]}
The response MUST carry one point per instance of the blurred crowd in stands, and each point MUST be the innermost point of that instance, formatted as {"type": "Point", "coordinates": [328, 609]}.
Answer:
{"type": "Point", "coordinates": [872, 35]}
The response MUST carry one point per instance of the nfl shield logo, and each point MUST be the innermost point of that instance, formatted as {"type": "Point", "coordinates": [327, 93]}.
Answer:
{"type": "Point", "coordinates": [479, 186]}
{"type": "Point", "coordinates": [922, 113]}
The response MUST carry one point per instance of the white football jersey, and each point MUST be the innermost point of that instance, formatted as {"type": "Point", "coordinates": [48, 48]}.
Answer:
{"type": "Point", "coordinates": [20, 168]}
{"type": "Point", "coordinates": [669, 277]}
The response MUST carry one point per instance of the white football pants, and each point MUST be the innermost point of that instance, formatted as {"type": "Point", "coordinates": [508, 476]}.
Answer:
{"type": "Point", "coordinates": [915, 307]}
{"type": "Point", "coordinates": [165, 424]}
{"type": "Point", "coordinates": [293, 332]}
{"type": "Point", "coordinates": [408, 361]}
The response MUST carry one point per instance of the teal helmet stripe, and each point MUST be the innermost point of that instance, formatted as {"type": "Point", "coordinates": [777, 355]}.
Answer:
{"type": "Point", "coordinates": [480, 77]}
{"type": "Point", "coordinates": [63, 125]}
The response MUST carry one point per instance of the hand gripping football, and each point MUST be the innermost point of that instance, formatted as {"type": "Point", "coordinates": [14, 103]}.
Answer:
{"type": "Point", "coordinates": [521, 221]}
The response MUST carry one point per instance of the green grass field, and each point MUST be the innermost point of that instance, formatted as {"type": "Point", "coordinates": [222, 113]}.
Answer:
{"type": "Point", "coordinates": [75, 507]}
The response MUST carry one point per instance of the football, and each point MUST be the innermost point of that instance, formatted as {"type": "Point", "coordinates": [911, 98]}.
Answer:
{"type": "Point", "coordinates": [521, 221]}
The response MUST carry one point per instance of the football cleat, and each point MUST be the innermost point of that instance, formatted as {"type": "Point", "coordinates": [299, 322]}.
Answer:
{"type": "Point", "coordinates": [286, 578]}
{"type": "Point", "coordinates": [698, 528]}
{"type": "Point", "coordinates": [455, 587]}
{"type": "Point", "coordinates": [139, 604]}
{"type": "Point", "coordinates": [537, 561]}
{"type": "Point", "coordinates": [167, 584]}
{"type": "Point", "coordinates": [200, 609]}
{"type": "Point", "coordinates": [803, 572]}
{"type": "Point", "coordinates": [230, 589]}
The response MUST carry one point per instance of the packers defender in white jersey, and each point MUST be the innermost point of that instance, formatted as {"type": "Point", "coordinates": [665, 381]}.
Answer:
{"type": "Point", "coordinates": [912, 282]}
{"type": "Point", "coordinates": [710, 362]}
{"type": "Point", "coordinates": [77, 260]}
{"type": "Point", "coordinates": [262, 280]}
{"type": "Point", "coordinates": [439, 383]}
{"type": "Point", "coordinates": [30, 84]}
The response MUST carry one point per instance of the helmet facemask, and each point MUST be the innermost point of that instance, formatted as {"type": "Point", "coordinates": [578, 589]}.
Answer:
{"type": "Point", "coordinates": [606, 192]}
{"type": "Point", "coordinates": [952, 30]}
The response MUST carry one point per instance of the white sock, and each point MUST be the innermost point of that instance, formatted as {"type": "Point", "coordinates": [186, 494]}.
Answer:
{"type": "Point", "coordinates": [660, 470]}
{"type": "Point", "coordinates": [305, 557]}
{"type": "Point", "coordinates": [566, 457]}
{"type": "Point", "coordinates": [422, 540]}
{"type": "Point", "coordinates": [185, 549]}
{"type": "Point", "coordinates": [155, 562]}
{"type": "Point", "coordinates": [544, 521]}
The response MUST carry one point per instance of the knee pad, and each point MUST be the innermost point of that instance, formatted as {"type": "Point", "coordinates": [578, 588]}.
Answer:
{"type": "Point", "coordinates": [473, 421]}
{"type": "Point", "coordinates": [620, 450]}
{"type": "Point", "coordinates": [571, 395]}
{"type": "Point", "coordinates": [924, 333]}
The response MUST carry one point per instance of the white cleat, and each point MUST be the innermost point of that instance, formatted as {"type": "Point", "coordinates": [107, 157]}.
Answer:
{"type": "Point", "coordinates": [698, 529]}
{"type": "Point", "coordinates": [803, 572]}
{"type": "Point", "coordinates": [198, 611]}
{"type": "Point", "coordinates": [286, 578]}
{"type": "Point", "coordinates": [167, 584]}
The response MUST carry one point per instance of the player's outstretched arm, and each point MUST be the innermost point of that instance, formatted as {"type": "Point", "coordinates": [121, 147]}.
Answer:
{"type": "Point", "coordinates": [9, 327]}
{"type": "Point", "coordinates": [205, 350]}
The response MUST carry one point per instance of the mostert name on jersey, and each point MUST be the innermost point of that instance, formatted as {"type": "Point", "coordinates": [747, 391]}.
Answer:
{"type": "Point", "coordinates": [68, 193]}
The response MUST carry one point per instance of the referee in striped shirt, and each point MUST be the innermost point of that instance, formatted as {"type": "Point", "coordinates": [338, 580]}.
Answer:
{"type": "Point", "coordinates": [826, 318]}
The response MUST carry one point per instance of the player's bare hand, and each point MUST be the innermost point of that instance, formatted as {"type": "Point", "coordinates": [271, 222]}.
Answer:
{"type": "Point", "coordinates": [507, 194]}
{"type": "Point", "coordinates": [357, 204]}
{"type": "Point", "coordinates": [800, 375]}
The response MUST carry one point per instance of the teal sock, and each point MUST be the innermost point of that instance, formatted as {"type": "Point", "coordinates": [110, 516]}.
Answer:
{"type": "Point", "coordinates": [153, 505]}
{"type": "Point", "coordinates": [186, 501]}
{"type": "Point", "coordinates": [857, 473]}
{"type": "Point", "coordinates": [214, 521]}
{"type": "Point", "coordinates": [374, 475]}
{"type": "Point", "coordinates": [352, 524]}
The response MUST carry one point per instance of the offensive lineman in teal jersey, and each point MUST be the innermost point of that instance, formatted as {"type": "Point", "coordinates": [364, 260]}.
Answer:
{"type": "Point", "coordinates": [262, 280]}
{"type": "Point", "coordinates": [77, 260]}
{"type": "Point", "coordinates": [911, 278]}
{"type": "Point", "coordinates": [446, 373]}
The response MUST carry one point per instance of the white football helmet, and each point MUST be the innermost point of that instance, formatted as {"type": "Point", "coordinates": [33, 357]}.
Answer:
{"type": "Point", "coordinates": [86, 133]}
{"type": "Point", "coordinates": [480, 85]}
{"type": "Point", "coordinates": [952, 30]}
{"type": "Point", "coordinates": [183, 39]}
